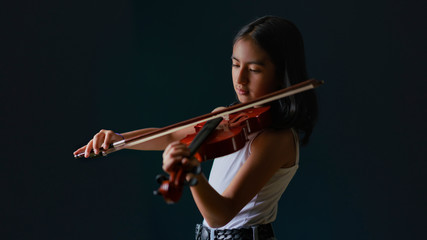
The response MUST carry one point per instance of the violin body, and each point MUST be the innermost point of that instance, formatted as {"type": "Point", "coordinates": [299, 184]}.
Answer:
{"type": "Point", "coordinates": [232, 133]}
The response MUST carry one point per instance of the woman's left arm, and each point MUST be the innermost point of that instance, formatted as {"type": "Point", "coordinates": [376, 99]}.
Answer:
{"type": "Point", "coordinates": [270, 151]}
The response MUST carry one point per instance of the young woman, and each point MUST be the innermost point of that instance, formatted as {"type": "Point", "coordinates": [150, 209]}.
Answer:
{"type": "Point", "coordinates": [240, 199]}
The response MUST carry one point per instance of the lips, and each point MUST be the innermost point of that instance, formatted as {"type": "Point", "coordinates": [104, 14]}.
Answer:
{"type": "Point", "coordinates": [242, 91]}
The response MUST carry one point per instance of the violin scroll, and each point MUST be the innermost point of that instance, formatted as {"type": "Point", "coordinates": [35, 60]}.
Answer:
{"type": "Point", "coordinates": [171, 187]}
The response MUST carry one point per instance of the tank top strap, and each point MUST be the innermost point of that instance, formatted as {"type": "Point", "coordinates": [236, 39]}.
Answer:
{"type": "Point", "coordinates": [251, 138]}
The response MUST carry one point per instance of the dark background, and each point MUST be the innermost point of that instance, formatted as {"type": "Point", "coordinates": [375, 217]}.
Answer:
{"type": "Point", "coordinates": [70, 68]}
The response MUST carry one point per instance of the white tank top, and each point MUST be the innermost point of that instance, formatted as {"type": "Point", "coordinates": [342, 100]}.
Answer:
{"type": "Point", "coordinates": [262, 209]}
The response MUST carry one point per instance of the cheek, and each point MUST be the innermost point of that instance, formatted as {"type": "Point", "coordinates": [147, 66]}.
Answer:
{"type": "Point", "coordinates": [268, 85]}
{"type": "Point", "coordinates": [234, 75]}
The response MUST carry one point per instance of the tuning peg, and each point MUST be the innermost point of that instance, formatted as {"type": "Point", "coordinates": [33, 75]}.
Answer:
{"type": "Point", "coordinates": [196, 170]}
{"type": "Point", "coordinates": [193, 182]}
{"type": "Point", "coordinates": [156, 192]}
{"type": "Point", "coordinates": [160, 178]}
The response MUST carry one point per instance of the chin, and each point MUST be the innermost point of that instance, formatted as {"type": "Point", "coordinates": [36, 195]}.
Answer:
{"type": "Point", "coordinates": [244, 99]}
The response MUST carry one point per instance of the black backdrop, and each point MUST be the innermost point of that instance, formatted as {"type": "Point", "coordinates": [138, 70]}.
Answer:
{"type": "Point", "coordinates": [70, 68]}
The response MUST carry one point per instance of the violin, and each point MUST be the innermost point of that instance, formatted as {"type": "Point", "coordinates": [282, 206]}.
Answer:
{"type": "Point", "coordinates": [235, 124]}
{"type": "Point", "coordinates": [215, 138]}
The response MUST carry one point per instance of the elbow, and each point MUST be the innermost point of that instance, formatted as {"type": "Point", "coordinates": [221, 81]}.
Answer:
{"type": "Point", "coordinates": [220, 219]}
{"type": "Point", "coordinates": [216, 209]}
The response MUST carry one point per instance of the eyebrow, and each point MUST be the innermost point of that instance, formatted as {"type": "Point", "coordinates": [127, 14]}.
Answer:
{"type": "Point", "coordinates": [251, 62]}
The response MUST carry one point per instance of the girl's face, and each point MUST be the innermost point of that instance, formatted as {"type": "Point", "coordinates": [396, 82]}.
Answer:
{"type": "Point", "coordinates": [252, 70]}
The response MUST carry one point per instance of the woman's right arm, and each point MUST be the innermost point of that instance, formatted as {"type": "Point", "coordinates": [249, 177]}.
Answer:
{"type": "Point", "coordinates": [104, 138]}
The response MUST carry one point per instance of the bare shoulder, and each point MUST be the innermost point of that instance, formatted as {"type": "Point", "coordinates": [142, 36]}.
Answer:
{"type": "Point", "coordinates": [276, 145]}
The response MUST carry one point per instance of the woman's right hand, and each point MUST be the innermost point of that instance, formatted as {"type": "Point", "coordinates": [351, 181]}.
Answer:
{"type": "Point", "coordinates": [102, 139]}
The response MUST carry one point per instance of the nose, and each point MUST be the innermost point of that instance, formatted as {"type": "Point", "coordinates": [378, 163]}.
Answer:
{"type": "Point", "coordinates": [242, 76]}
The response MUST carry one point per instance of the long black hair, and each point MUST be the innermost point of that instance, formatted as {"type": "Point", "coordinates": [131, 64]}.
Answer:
{"type": "Point", "coordinates": [283, 42]}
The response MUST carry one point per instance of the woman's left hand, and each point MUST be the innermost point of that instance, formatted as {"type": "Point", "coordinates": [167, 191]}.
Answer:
{"type": "Point", "coordinates": [176, 155]}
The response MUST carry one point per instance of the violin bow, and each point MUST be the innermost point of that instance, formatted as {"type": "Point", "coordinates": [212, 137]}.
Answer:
{"type": "Point", "coordinates": [286, 92]}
